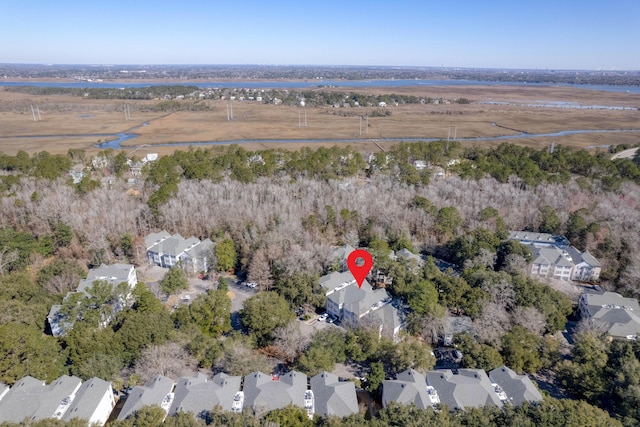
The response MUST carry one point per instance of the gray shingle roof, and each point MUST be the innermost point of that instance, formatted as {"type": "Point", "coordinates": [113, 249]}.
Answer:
{"type": "Point", "coordinates": [31, 398]}
{"type": "Point", "coordinates": [155, 238]}
{"type": "Point", "coordinates": [620, 315]}
{"type": "Point", "coordinates": [389, 317]}
{"type": "Point", "coordinates": [409, 387]}
{"type": "Point", "coordinates": [550, 255]}
{"type": "Point", "coordinates": [366, 300]}
{"type": "Point", "coordinates": [265, 392]}
{"type": "Point", "coordinates": [152, 393]}
{"type": "Point", "coordinates": [333, 397]}
{"type": "Point", "coordinates": [199, 394]}
{"type": "Point", "coordinates": [590, 259]}
{"type": "Point", "coordinates": [468, 388]}
{"type": "Point", "coordinates": [174, 245]}
{"type": "Point", "coordinates": [334, 280]}
{"type": "Point", "coordinates": [540, 238]}
{"type": "Point", "coordinates": [407, 254]}
{"type": "Point", "coordinates": [114, 274]}
{"type": "Point", "coordinates": [519, 388]}
{"type": "Point", "coordinates": [341, 253]}
{"type": "Point", "coordinates": [201, 249]}
{"type": "Point", "coordinates": [88, 399]}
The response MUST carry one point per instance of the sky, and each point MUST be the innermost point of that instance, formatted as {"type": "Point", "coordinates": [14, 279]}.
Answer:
{"type": "Point", "coordinates": [525, 34]}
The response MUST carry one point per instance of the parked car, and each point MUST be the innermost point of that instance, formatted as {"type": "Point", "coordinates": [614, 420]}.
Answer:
{"type": "Point", "coordinates": [323, 317]}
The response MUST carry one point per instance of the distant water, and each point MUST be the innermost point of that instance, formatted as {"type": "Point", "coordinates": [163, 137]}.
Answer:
{"type": "Point", "coordinates": [277, 84]}
{"type": "Point", "coordinates": [122, 137]}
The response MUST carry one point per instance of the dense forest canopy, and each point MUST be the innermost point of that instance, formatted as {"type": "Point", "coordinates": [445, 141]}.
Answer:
{"type": "Point", "coordinates": [275, 216]}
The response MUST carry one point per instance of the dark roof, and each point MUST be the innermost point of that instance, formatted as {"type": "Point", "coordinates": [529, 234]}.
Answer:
{"type": "Point", "coordinates": [88, 399]}
{"type": "Point", "coordinates": [199, 394]}
{"type": "Point", "coordinates": [468, 388]}
{"type": "Point", "coordinates": [409, 387]}
{"type": "Point", "coordinates": [31, 398]}
{"type": "Point", "coordinates": [333, 397]}
{"type": "Point", "coordinates": [271, 392]}
{"type": "Point", "coordinates": [519, 388]}
{"type": "Point", "coordinates": [152, 393]}
{"type": "Point", "coordinates": [620, 315]}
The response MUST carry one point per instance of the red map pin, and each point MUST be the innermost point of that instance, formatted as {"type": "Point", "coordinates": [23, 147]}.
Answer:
{"type": "Point", "coordinates": [359, 263]}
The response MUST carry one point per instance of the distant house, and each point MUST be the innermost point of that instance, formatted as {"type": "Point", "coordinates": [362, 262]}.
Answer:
{"type": "Point", "coordinates": [77, 173]}
{"type": "Point", "coordinates": [420, 165]}
{"type": "Point", "coordinates": [454, 325]}
{"type": "Point", "coordinates": [586, 266]}
{"type": "Point", "coordinates": [550, 261]}
{"type": "Point", "coordinates": [408, 255]}
{"type": "Point", "coordinates": [617, 315]}
{"type": "Point", "coordinates": [157, 391]}
{"type": "Point", "coordinates": [554, 257]}
{"type": "Point", "coordinates": [532, 238]}
{"type": "Point", "coordinates": [518, 388]}
{"type": "Point", "coordinates": [340, 255]}
{"type": "Point", "coordinates": [94, 402]}
{"type": "Point", "coordinates": [256, 158]}
{"type": "Point", "coordinates": [166, 250]}
{"type": "Point", "coordinates": [469, 388]}
{"type": "Point", "coordinates": [264, 393]}
{"type": "Point", "coordinates": [99, 162]}
{"type": "Point", "coordinates": [333, 397]}
{"type": "Point", "coordinates": [150, 157]}
{"type": "Point", "coordinates": [33, 400]}
{"type": "Point", "coordinates": [114, 275]}
{"type": "Point", "coordinates": [200, 394]}
{"type": "Point", "coordinates": [136, 168]}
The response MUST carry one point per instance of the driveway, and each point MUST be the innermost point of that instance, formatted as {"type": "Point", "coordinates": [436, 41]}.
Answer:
{"type": "Point", "coordinates": [238, 293]}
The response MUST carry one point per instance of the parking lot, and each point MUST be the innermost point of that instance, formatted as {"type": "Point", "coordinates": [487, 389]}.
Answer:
{"type": "Point", "coordinates": [447, 358]}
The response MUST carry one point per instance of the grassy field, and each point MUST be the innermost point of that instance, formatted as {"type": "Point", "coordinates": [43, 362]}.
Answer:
{"type": "Point", "coordinates": [72, 122]}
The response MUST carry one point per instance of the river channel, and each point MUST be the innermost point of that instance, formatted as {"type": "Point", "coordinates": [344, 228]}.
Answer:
{"type": "Point", "coordinates": [119, 138]}
{"type": "Point", "coordinates": [122, 137]}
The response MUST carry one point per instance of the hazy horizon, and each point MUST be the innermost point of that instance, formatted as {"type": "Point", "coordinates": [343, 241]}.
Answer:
{"type": "Point", "coordinates": [417, 67]}
{"type": "Point", "coordinates": [546, 35]}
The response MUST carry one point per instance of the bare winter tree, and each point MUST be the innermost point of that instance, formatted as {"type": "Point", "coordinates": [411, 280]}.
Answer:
{"type": "Point", "coordinates": [530, 318]}
{"type": "Point", "coordinates": [169, 359]}
{"type": "Point", "coordinates": [514, 263]}
{"type": "Point", "coordinates": [7, 256]}
{"type": "Point", "coordinates": [501, 292]}
{"type": "Point", "coordinates": [259, 270]}
{"type": "Point", "coordinates": [590, 327]}
{"type": "Point", "coordinates": [431, 328]}
{"type": "Point", "coordinates": [240, 359]}
{"type": "Point", "coordinates": [485, 258]}
{"type": "Point", "coordinates": [493, 323]}
{"type": "Point", "coordinates": [290, 341]}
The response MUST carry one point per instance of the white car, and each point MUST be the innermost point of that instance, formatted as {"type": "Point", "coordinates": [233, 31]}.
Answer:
{"type": "Point", "coordinates": [323, 317]}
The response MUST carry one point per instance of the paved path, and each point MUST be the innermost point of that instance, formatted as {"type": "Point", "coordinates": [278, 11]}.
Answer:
{"type": "Point", "coordinates": [626, 154]}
